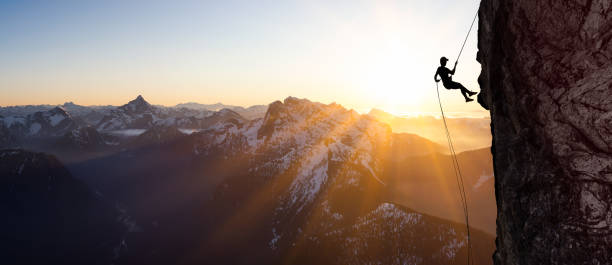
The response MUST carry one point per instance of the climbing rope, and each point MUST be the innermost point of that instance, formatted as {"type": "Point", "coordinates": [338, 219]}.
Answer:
{"type": "Point", "coordinates": [459, 179]}
{"type": "Point", "coordinates": [457, 169]}
{"type": "Point", "coordinates": [466, 36]}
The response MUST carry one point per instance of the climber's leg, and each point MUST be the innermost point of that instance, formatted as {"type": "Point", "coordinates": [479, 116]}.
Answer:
{"type": "Point", "coordinates": [466, 93]}
{"type": "Point", "coordinates": [465, 90]}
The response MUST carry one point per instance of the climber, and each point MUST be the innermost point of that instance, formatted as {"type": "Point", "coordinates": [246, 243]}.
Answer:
{"type": "Point", "coordinates": [447, 79]}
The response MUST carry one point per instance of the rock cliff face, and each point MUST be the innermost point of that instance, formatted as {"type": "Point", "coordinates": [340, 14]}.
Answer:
{"type": "Point", "coordinates": [547, 80]}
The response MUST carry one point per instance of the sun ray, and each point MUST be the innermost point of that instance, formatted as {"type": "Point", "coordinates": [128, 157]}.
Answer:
{"type": "Point", "coordinates": [339, 130]}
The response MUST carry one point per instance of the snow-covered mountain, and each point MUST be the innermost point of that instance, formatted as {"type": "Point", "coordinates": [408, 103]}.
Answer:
{"type": "Point", "coordinates": [198, 106]}
{"type": "Point", "coordinates": [85, 138]}
{"type": "Point", "coordinates": [252, 112]}
{"type": "Point", "coordinates": [316, 184]}
{"type": "Point", "coordinates": [139, 114]}
{"type": "Point", "coordinates": [81, 111]}
{"type": "Point", "coordinates": [74, 109]}
{"type": "Point", "coordinates": [136, 114]}
{"type": "Point", "coordinates": [23, 110]}
{"type": "Point", "coordinates": [308, 183]}
{"type": "Point", "coordinates": [76, 127]}
{"type": "Point", "coordinates": [157, 135]}
{"type": "Point", "coordinates": [54, 122]}
{"type": "Point", "coordinates": [92, 115]}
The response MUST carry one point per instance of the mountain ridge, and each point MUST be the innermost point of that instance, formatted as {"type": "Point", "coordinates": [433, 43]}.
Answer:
{"type": "Point", "coordinates": [306, 178]}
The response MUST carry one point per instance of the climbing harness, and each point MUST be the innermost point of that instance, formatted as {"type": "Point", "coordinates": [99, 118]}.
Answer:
{"type": "Point", "coordinates": [457, 169]}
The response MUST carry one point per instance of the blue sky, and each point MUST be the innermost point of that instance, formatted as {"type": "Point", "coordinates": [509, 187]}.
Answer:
{"type": "Point", "coordinates": [361, 54]}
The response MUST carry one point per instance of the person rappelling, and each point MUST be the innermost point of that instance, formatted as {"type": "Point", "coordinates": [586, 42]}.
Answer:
{"type": "Point", "coordinates": [446, 75]}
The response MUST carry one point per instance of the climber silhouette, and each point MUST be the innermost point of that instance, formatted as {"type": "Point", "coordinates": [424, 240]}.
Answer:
{"type": "Point", "coordinates": [447, 79]}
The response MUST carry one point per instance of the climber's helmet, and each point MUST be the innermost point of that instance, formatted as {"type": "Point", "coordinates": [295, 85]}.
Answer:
{"type": "Point", "coordinates": [443, 61]}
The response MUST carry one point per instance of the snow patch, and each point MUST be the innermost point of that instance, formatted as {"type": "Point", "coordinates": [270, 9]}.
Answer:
{"type": "Point", "coordinates": [328, 211]}
{"type": "Point", "coordinates": [9, 121]}
{"type": "Point", "coordinates": [367, 166]}
{"type": "Point", "coordinates": [482, 180]}
{"type": "Point", "coordinates": [353, 181]}
{"type": "Point", "coordinates": [34, 128]}
{"type": "Point", "coordinates": [189, 131]}
{"type": "Point", "coordinates": [389, 212]}
{"type": "Point", "coordinates": [21, 168]}
{"type": "Point", "coordinates": [274, 241]}
{"type": "Point", "coordinates": [56, 119]}
{"type": "Point", "coordinates": [128, 132]}
{"type": "Point", "coordinates": [311, 177]}
{"type": "Point", "coordinates": [451, 248]}
{"type": "Point", "coordinates": [251, 133]}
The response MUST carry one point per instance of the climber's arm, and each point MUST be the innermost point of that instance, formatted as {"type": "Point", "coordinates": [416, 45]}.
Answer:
{"type": "Point", "coordinates": [452, 72]}
{"type": "Point", "coordinates": [436, 76]}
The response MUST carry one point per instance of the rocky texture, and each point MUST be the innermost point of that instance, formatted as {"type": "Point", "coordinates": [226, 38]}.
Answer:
{"type": "Point", "coordinates": [316, 193]}
{"type": "Point", "coordinates": [307, 184]}
{"type": "Point", "coordinates": [251, 113]}
{"type": "Point", "coordinates": [139, 114]}
{"type": "Point", "coordinates": [6, 138]}
{"type": "Point", "coordinates": [84, 139]}
{"type": "Point", "coordinates": [547, 80]}
{"type": "Point", "coordinates": [157, 135]}
{"type": "Point", "coordinates": [54, 122]}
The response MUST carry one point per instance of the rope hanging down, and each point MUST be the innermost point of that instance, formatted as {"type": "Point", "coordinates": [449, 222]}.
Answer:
{"type": "Point", "coordinates": [457, 169]}
{"type": "Point", "coordinates": [459, 179]}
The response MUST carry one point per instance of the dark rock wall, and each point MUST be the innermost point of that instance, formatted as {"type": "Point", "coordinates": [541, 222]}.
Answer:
{"type": "Point", "coordinates": [547, 81]}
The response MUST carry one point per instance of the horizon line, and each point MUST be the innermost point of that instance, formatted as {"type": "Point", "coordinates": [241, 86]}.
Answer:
{"type": "Point", "coordinates": [405, 115]}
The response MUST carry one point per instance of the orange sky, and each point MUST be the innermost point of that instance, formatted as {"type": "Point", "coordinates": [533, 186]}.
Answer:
{"type": "Point", "coordinates": [361, 54]}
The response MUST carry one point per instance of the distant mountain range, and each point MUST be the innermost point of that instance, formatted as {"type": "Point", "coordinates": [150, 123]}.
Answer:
{"type": "Point", "coordinates": [75, 109]}
{"type": "Point", "coordinates": [53, 122]}
{"type": "Point", "coordinates": [93, 114]}
{"type": "Point", "coordinates": [307, 183]}
{"type": "Point", "coordinates": [467, 133]}
{"type": "Point", "coordinates": [27, 125]}
{"type": "Point", "coordinates": [252, 112]}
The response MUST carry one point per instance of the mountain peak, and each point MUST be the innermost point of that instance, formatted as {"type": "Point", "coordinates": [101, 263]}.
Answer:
{"type": "Point", "coordinates": [377, 111]}
{"type": "Point", "coordinates": [59, 110]}
{"type": "Point", "coordinates": [139, 104]}
{"type": "Point", "coordinates": [139, 98]}
{"type": "Point", "coordinates": [294, 101]}
{"type": "Point", "coordinates": [296, 115]}
{"type": "Point", "coordinates": [226, 111]}
{"type": "Point", "coordinates": [381, 114]}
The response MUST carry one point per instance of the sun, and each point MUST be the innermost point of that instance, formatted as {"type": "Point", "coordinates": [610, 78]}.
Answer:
{"type": "Point", "coordinates": [392, 81]}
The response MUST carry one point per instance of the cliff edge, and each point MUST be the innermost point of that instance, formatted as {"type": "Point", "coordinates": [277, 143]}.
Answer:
{"type": "Point", "coordinates": [547, 80]}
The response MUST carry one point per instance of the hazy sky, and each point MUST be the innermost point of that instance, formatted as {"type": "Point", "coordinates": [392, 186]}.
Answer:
{"type": "Point", "coordinates": [361, 54]}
